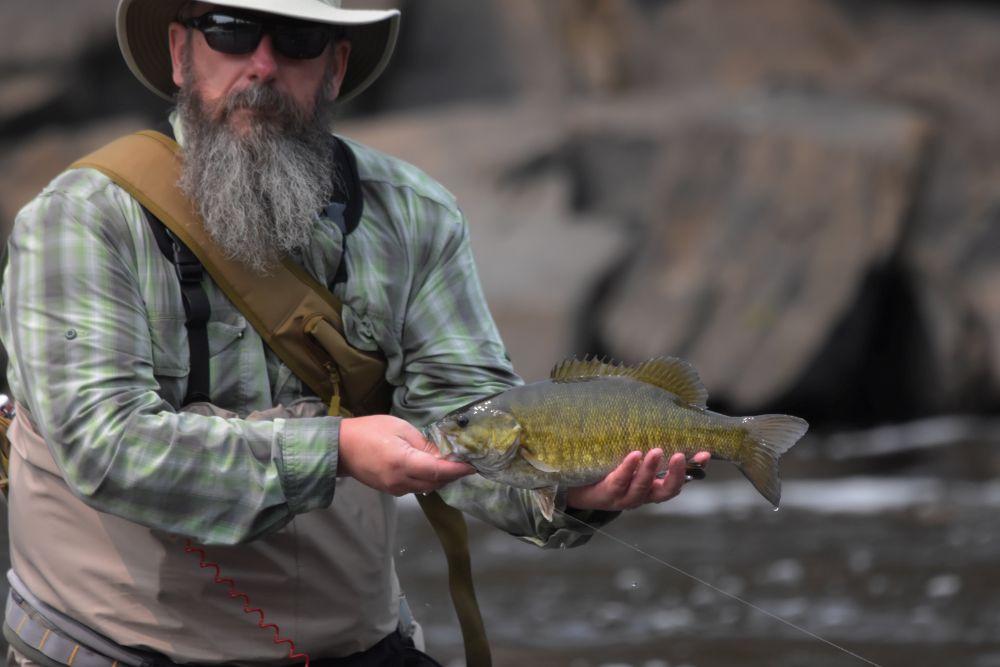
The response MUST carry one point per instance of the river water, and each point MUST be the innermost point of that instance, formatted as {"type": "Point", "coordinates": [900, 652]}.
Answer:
{"type": "Point", "coordinates": [859, 570]}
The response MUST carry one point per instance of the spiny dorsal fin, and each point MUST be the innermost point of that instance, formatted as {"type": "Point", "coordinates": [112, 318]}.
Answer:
{"type": "Point", "coordinates": [670, 373]}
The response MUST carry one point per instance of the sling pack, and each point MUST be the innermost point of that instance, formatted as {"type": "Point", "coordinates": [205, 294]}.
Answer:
{"type": "Point", "coordinates": [303, 327]}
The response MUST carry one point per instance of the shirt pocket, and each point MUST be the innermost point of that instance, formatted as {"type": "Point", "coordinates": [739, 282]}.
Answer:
{"type": "Point", "coordinates": [230, 360]}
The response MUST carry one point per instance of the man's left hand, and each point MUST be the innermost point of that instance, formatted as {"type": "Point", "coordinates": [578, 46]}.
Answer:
{"type": "Point", "coordinates": [634, 483]}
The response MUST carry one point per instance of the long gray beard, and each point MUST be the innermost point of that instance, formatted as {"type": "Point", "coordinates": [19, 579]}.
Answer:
{"type": "Point", "coordinates": [258, 194]}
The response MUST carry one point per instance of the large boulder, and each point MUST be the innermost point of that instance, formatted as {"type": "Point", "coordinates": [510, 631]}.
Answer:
{"type": "Point", "coordinates": [765, 218]}
{"type": "Point", "coordinates": [951, 250]}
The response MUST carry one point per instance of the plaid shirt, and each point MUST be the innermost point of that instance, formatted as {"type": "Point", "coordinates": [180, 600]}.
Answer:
{"type": "Point", "coordinates": [93, 320]}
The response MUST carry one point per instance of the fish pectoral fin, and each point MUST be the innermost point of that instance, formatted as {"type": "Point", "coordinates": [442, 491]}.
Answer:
{"type": "Point", "coordinates": [536, 462]}
{"type": "Point", "coordinates": [545, 501]}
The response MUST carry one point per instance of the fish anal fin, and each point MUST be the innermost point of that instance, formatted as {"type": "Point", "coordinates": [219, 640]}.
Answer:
{"type": "Point", "coordinates": [545, 500]}
{"type": "Point", "coordinates": [668, 373]}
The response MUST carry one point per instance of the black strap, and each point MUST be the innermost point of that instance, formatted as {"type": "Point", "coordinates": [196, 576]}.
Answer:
{"type": "Point", "coordinates": [346, 213]}
{"type": "Point", "coordinates": [197, 309]}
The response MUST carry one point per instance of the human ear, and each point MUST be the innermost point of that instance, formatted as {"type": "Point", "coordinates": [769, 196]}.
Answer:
{"type": "Point", "coordinates": [338, 66]}
{"type": "Point", "coordinates": [178, 35]}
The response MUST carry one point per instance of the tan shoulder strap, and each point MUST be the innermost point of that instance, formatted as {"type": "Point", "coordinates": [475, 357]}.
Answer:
{"type": "Point", "coordinates": [300, 325]}
{"type": "Point", "coordinates": [304, 328]}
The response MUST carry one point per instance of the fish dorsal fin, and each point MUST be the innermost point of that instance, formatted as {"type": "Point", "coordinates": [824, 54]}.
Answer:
{"type": "Point", "coordinates": [669, 373]}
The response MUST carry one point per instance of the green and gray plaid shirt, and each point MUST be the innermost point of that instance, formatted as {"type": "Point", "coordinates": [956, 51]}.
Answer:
{"type": "Point", "coordinates": [93, 320]}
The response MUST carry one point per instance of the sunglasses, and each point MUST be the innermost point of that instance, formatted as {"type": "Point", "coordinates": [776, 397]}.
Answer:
{"type": "Point", "coordinates": [238, 33]}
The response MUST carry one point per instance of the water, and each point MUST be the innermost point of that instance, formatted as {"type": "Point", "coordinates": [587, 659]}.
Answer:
{"type": "Point", "coordinates": [899, 571]}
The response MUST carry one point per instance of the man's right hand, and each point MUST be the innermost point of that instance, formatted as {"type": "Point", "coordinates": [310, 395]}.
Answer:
{"type": "Point", "coordinates": [390, 455]}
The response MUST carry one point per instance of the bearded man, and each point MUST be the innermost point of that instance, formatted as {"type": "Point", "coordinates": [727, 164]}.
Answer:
{"type": "Point", "coordinates": [115, 469]}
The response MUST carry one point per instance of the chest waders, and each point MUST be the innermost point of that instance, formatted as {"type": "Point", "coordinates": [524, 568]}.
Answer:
{"type": "Point", "coordinates": [303, 327]}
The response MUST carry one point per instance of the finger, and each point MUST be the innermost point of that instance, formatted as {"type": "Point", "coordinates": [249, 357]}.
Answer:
{"type": "Point", "coordinates": [642, 482]}
{"type": "Point", "coordinates": [422, 466]}
{"type": "Point", "coordinates": [617, 482]}
{"type": "Point", "coordinates": [416, 439]}
{"type": "Point", "coordinates": [670, 485]}
{"type": "Point", "coordinates": [702, 458]}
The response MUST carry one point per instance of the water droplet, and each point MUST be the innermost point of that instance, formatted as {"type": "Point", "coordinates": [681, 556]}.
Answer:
{"type": "Point", "coordinates": [630, 579]}
{"type": "Point", "coordinates": [402, 551]}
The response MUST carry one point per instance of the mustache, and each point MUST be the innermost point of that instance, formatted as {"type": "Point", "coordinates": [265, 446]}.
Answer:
{"type": "Point", "coordinates": [268, 104]}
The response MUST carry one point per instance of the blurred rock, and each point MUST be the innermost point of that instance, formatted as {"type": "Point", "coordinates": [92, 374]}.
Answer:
{"type": "Point", "coordinates": [951, 250]}
{"type": "Point", "coordinates": [38, 34]}
{"type": "Point", "coordinates": [60, 67]}
{"type": "Point", "coordinates": [745, 264]}
{"type": "Point", "coordinates": [510, 48]}
{"type": "Point", "coordinates": [24, 94]}
{"type": "Point", "coordinates": [752, 44]}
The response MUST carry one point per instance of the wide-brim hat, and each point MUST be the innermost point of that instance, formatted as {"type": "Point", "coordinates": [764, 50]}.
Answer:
{"type": "Point", "coordinates": [142, 35]}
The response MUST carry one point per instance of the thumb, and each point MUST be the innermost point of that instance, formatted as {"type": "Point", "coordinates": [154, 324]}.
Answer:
{"type": "Point", "coordinates": [417, 439]}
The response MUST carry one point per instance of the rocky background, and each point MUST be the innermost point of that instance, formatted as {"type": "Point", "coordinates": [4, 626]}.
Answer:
{"type": "Point", "coordinates": [796, 195]}
{"type": "Point", "coordinates": [801, 197]}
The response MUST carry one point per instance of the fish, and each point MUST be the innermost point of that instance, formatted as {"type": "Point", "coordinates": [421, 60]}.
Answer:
{"type": "Point", "coordinates": [577, 426]}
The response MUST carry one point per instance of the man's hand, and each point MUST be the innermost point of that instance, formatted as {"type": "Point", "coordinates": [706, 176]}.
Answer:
{"type": "Point", "coordinates": [390, 455]}
{"type": "Point", "coordinates": [634, 483]}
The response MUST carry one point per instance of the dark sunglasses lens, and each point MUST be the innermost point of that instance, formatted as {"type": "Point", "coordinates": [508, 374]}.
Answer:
{"type": "Point", "coordinates": [232, 35]}
{"type": "Point", "coordinates": [301, 41]}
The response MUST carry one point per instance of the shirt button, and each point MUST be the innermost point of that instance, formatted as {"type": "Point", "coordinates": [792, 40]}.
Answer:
{"type": "Point", "coordinates": [71, 334]}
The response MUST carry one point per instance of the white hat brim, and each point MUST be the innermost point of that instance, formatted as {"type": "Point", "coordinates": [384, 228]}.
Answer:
{"type": "Point", "coordinates": [142, 36]}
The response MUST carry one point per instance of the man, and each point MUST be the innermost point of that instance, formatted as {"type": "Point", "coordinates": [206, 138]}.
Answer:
{"type": "Point", "coordinates": [112, 472]}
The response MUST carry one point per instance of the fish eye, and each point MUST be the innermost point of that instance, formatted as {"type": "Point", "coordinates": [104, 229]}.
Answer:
{"type": "Point", "coordinates": [462, 421]}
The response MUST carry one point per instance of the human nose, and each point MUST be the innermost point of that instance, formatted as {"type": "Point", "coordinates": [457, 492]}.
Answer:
{"type": "Point", "coordinates": [263, 61]}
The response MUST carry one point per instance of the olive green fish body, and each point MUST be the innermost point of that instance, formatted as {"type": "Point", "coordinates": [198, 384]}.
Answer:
{"type": "Point", "coordinates": [586, 428]}
{"type": "Point", "coordinates": [575, 428]}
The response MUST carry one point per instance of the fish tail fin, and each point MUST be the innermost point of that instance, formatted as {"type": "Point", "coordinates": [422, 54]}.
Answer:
{"type": "Point", "coordinates": [767, 438]}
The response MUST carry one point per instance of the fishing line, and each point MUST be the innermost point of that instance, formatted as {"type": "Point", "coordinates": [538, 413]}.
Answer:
{"type": "Point", "coordinates": [719, 590]}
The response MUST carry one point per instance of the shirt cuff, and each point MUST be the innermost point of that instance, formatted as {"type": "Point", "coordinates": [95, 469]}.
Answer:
{"type": "Point", "coordinates": [308, 468]}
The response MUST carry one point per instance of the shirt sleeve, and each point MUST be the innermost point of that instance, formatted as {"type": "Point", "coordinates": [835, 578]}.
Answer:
{"type": "Point", "coordinates": [454, 355]}
{"type": "Point", "coordinates": [75, 323]}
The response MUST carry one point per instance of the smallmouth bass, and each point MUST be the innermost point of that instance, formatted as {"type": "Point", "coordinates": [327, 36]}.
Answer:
{"type": "Point", "coordinates": [577, 426]}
